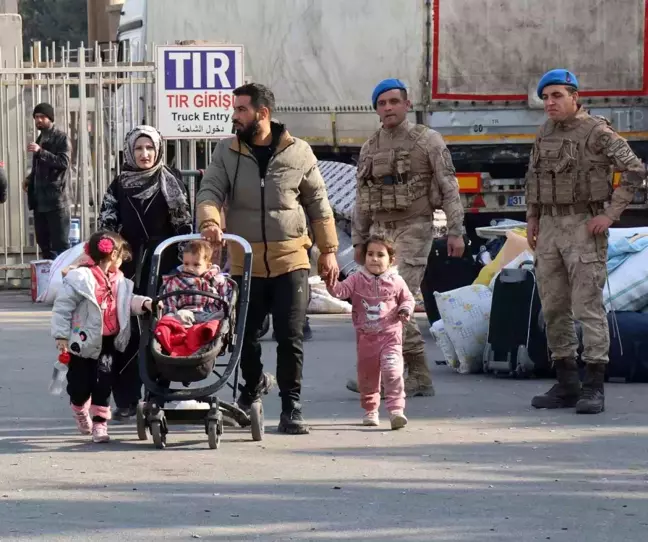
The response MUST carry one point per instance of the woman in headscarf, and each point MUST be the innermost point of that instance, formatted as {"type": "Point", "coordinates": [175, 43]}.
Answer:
{"type": "Point", "coordinates": [146, 204]}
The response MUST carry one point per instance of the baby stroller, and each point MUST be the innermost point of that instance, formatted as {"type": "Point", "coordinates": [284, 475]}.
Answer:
{"type": "Point", "coordinates": [158, 369]}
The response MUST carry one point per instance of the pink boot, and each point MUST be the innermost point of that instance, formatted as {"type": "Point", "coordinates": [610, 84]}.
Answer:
{"type": "Point", "coordinates": [100, 429]}
{"type": "Point", "coordinates": [82, 417]}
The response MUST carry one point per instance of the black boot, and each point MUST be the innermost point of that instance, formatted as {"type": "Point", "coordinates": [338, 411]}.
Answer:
{"type": "Point", "coordinates": [565, 394]}
{"type": "Point", "coordinates": [124, 414]}
{"type": "Point", "coordinates": [592, 399]}
{"type": "Point", "coordinates": [291, 420]}
{"type": "Point", "coordinates": [248, 397]}
{"type": "Point", "coordinates": [308, 332]}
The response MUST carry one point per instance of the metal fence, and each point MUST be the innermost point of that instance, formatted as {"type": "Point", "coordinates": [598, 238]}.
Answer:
{"type": "Point", "coordinates": [98, 95]}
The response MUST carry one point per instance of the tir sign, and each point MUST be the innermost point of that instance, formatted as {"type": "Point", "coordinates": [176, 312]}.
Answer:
{"type": "Point", "coordinates": [199, 70]}
{"type": "Point", "coordinates": [194, 90]}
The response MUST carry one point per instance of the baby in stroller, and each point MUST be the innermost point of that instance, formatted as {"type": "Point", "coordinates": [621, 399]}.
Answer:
{"type": "Point", "coordinates": [190, 321]}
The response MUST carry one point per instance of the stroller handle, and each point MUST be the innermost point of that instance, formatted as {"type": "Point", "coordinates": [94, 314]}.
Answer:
{"type": "Point", "coordinates": [247, 248]}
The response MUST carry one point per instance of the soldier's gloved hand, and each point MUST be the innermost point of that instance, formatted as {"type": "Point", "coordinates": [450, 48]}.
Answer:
{"type": "Point", "coordinates": [599, 224]}
{"type": "Point", "coordinates": [533, 225]}
{"type": "Point", "coordinates": [456, 246]}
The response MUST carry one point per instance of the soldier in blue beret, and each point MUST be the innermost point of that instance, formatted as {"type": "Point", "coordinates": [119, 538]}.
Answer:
{"type": "Point", "coordinates": [405, 173]}
{"type": "Point", "coordinates": [571, 204]}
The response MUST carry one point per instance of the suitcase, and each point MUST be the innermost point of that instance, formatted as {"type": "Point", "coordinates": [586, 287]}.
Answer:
{"type": "Point", "coordinates": [628, 347]}
{"type": "Point", "coordinates": [517, 342]}
{"type": "Point", "coordinates": [443, 274]}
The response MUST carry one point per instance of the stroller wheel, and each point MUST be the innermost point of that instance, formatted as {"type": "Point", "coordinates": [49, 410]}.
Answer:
{"type": "Point", "coordinates": [257, 421]}
{"type": "Point", "coordinates": [141, 422]}
{"type": "Point", "coordinates": [159, 439]}
{"type": "Point", "coordinates": [214, 431]}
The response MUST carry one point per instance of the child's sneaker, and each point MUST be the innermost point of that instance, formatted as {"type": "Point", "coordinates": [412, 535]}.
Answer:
{"type": "Point", "coordinates": [83, 420]}
{"type": "Point", "coordinates": [371, 419]}
{"type": "Point", "coordinates": [398, 419]}
{"type": "Point", "coordinates": [100, 432]}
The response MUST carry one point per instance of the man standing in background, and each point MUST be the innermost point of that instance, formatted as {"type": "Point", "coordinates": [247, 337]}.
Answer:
{"type": "Point", "coordinates": [48, 183]}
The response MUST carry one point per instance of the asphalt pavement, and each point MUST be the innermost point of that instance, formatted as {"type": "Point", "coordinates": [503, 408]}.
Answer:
{"type": "Point", "coordinates": [476, 463]}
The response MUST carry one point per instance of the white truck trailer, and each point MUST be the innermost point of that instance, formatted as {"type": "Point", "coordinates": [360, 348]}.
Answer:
{"type": "Point", "coordinates": [471, 66]}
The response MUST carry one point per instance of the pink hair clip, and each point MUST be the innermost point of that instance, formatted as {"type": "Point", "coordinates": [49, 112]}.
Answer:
{"type": "Point", "coordinates": [106, 246]}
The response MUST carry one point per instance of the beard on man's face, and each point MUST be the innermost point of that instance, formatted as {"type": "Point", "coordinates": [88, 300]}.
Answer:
{"type": "Point", "coordinates": [246, 132]}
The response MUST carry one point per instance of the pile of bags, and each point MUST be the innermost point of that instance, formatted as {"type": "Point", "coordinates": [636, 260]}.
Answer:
{"type": "Point", "coordinates": [47, 279]}
{"type": "Point", "coordinates": [462, 330]}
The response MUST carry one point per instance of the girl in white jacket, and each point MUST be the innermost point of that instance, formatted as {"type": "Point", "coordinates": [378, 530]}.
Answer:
{"type": "Point", "coordinates": [90, 320]}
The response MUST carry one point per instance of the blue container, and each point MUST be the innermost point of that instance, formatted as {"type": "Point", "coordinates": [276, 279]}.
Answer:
{"type": "Point", "coordinates": [75, 231]}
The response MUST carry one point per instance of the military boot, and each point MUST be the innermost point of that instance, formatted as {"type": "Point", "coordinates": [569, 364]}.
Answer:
{"type": "Point", "coordinates": [418, 382]}
{"type": "Point", "coordinates": [592, 399]}
{"type": "Point", "coordinates": [565, 394]}
{"type": "Point", "coordinates": [352, 385]}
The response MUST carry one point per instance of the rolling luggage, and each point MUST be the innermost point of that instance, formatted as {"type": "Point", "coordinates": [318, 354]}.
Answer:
{"type": "Point", "coordinates": [517, 342]}
{"type": "Point", "coordinates": [443, 274]}
{"type": "Point", "coordinates": [628, 348]}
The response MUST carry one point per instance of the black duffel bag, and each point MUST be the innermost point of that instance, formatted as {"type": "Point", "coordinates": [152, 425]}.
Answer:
{"type": "Point", "coordinates": [443, 273]}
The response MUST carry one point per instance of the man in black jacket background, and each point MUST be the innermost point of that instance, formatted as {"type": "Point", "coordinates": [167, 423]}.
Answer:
{"type": "Point", "coordinates": [48, 183]}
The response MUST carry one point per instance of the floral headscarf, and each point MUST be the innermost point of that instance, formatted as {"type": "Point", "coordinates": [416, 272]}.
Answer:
{"type": "Point", "coordinates": [143, 184]}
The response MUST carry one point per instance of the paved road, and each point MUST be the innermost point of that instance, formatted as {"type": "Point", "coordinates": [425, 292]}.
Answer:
{"type": "Point", "coordinates": [475, 464]}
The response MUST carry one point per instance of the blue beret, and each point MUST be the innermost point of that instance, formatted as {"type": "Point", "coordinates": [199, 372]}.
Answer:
{"type": "Point", "coordinates": [557, 77]}
{"type": "Point", "coordinates": [384, 86]}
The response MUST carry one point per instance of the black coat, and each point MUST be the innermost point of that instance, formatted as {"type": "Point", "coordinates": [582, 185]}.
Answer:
{"type": "Point", "coordinates": [143, 224]}
{"type": "Point", "coordinates": [49, 179]}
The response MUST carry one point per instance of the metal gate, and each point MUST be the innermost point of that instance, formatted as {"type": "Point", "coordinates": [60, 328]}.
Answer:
{"type": "Point", "coordinates": [97, 95]}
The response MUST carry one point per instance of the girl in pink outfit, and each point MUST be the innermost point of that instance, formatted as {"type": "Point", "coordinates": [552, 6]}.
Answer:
{"type": "Point", "coordinates": [381, 304]}
{"type": "Point", "coordinates": [91, 321]}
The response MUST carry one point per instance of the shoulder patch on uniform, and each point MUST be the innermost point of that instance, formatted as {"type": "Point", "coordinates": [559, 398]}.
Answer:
{"type": "Point", "coordinates": [448, 165]}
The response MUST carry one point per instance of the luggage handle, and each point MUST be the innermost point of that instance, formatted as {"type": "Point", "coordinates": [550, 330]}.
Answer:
{"type": "Point", "coordinates": [526, 262]}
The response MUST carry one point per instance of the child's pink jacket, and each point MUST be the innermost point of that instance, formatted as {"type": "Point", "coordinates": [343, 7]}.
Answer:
{"type": "Point", "coordinates": [376, 300]}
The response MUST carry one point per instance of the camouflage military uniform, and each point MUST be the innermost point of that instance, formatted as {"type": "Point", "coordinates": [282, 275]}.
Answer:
{"type": "Point", "coordinates": [568, 183]}
{"type": "Point", "coordinates": [404, 174]}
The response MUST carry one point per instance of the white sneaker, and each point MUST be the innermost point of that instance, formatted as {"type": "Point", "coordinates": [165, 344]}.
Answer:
{"type": "Point", "coordinates": [398, 419]}
{"type": "Point", "coordinates": [371, 419]}
{"type": "Point", "coordinates": [100, 432]}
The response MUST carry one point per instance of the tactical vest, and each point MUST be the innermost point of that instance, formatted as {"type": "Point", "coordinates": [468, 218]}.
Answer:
{"type": "Point", "coordinates": [386, 181]}
{"type": "Point", "coordinates": [564, 171]}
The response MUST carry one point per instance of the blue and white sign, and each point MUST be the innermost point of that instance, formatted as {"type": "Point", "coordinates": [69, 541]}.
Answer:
{"type": "Point", "coordinates": [194, 90]}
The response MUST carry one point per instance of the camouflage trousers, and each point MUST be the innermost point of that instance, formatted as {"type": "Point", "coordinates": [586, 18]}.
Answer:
{"type": "Point", "coordinates": [571, 273]}
{"type": "Point", "coordinates": [413, 242]}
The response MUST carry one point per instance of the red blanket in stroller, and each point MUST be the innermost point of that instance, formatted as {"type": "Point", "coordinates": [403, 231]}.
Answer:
{"type": "Point", "coordinates": [180, 341]}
